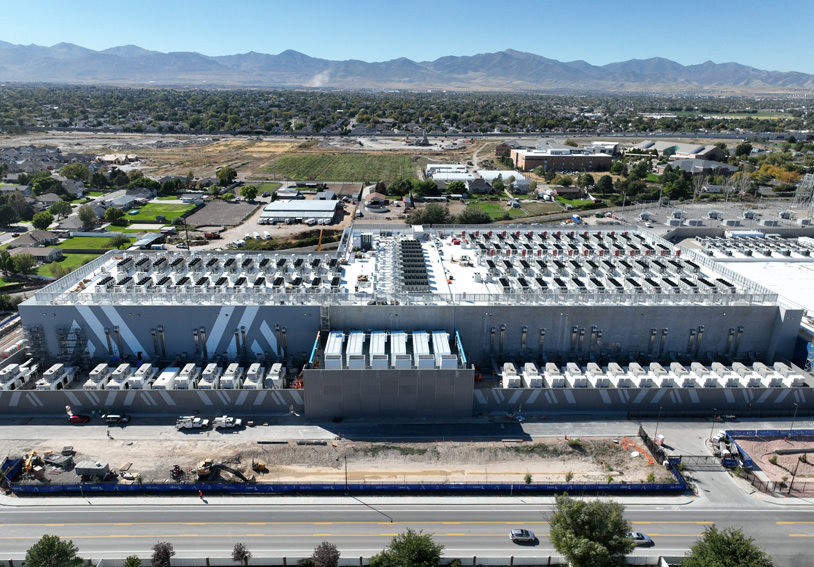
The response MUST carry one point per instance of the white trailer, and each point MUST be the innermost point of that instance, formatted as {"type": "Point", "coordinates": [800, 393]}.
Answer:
{"type": "Point", "coordinates": [166, 380]}
{"type": "Point", "coordinates": [57, 377]}
{"type": "Point", "coordinates": [255, 377]}
{"type": "Point", "coordinates": [98, 378]}
{"type": "Point", "coordinates": [210, 378]}
{"type": "Point", "coordinates": [232, 379]}
{"type": "Point", "coordinates": [188, 378]}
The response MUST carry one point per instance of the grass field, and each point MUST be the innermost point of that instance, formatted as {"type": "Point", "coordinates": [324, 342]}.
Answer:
{"type": "Point", "coordinates": [167, 198]}
{"type": "Point", "coordinates": [342, 167]}
{"type": "Point", "coordinates": [270, 187]}
{"type": "Point", "coordinates": [151, 210]}
{"type": "Point", "coordinates": [4, 281]}
{"type": "Point", "coordinates": [496, 211]}
{"type": "Point", "coordinates": [71, 261]}
{"type": "Point", "coordinates": [542, 208]}
{"type": "Point", "coordinates": [95, 194]}
{"type": "Point", "coordinates": [87, 242]}
{"type": "Point", "coordinates": [573, 202]}
{"type": "Point", "coordinates": [139, 230]}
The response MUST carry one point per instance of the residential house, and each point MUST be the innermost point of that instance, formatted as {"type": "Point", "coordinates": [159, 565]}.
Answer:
{"type": "Point", "coordinates": [375, 200]}
{"type": "Point", "coordinates": [34, 238]}
{"type": "Point", "coordinates": [478, 186]}
{"type": "Point", "coordinates": [46, 200]}
{"type": "Point", "coordinates": [43, 255]}
{"type": "Point", "coordinates": [71, 224]}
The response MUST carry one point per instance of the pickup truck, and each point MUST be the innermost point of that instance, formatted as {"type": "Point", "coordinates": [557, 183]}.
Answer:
{"type": "Point", "coordinates": [226, 422]}
{"type": "Point", "coordinates": [191, 422]}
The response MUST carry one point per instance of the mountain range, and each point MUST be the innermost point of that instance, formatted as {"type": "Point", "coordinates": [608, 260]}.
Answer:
{"type": "Point", "coordinates": [507, 71]}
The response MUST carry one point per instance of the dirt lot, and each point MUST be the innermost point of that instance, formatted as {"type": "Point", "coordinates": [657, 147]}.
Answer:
{"type": "Point", "coordinates": [221, 213]}
{"type": "Point", "coordinates": [763, 449]}
{"type": "Point", "coordinates": [549, 460]}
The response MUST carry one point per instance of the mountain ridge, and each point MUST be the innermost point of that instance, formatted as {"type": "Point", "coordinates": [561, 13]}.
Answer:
{"type": "Point", "coordinates": [509, 70]}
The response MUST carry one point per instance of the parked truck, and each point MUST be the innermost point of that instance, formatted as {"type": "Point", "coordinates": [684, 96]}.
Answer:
{"type": "Point", "coordinates": [210, 378]}
{"type": "Point", "coordinates": [98, 377]}
{"type": "Point", "coordinates": [188, 378]}
{"type": "Point", "coordinates": [166, 380]}
{"type": "Point", "coordinates": [226, 422]}
{"type": "Point", "coordinates": [191, 422]}
{"type": "Point", "coordinates": [119, 377]}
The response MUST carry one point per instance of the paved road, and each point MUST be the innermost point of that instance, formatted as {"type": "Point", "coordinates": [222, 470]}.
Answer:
{"type": "Point", "coordinates": [361, 527]}
{"type": "Point", "coordinates": [292, 527]}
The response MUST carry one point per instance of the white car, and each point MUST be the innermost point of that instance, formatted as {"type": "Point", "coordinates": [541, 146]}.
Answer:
{"type": "Point", "coordinates": [521, 535]}
{"type": "Point", "coordinates": [226, 422]}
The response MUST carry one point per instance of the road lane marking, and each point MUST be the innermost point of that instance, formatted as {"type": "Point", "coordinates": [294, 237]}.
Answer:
{"type": "Point", "coordinates": [406, 522]}
{"type": "Point", "coordinates": [790, 523]}
{"type": "Point", "coordinates": [702, 522]}
{"type": "Point", "coordinates": [801, 535]}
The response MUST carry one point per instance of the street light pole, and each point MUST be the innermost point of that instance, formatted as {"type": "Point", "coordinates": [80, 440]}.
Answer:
{"type": "Point", "coordinates": [714, 414]}
{"type": "Point", "coordinates": [791, 429]}
{"type": "Point", "coordinates": [656, 434]}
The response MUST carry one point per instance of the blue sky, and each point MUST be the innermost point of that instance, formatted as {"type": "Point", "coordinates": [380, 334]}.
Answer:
{"type": "Point", "coordinates": [773, 35]}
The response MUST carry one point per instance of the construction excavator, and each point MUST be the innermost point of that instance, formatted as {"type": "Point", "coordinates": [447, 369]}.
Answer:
{"type": "Point", "coordinates": [31, 460]}
{"type": "Point", "coordinates": [207, 467]}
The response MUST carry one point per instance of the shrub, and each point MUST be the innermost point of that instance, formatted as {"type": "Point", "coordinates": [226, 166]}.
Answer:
{"type": "Point", "coordinates": [569, 476]}
{"type": "Point", "coordinates": [527, 478]}
{"type": "Point", "coordinates": [651, 477]}
{"type": "Point", "coordinates": [773, 460]}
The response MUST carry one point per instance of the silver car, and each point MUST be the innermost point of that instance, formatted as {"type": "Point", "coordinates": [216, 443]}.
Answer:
{"type": "Point", "coordinates": [521, 535]}
{"type": "Point", "coordinates": [640, 539]}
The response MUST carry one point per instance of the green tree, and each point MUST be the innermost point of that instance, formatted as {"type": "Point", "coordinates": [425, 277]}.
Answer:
{"type": "Point", "coordinates": [8, 215]}
{"type": "Point", "coordinates": [226, 175]}
{"type": "Point", "coordinates": [549, 175]}
{"type": "Point", "coordinates": [87, 216]}
{"type": "Point", "coordinates": [604, 185]}
{"type": "Point", "coordinates": [590, 534]}
{"type": "Point", "coordinates": [24, 264]}
{"type": "Point", "coordinates": [162, 554]}
{"type": "Point", "coordinates": [132, 561]}
{"type": "Point", "coordinates": [228, 196]}
{"type": "Point", "coordinates": [6, 262]}
{"type": "Point", "coordinates": [456, 188]}
{"type": "Point", "coordinates": [400, 187]}
{"type": "Point", "coordinates": [426, 188]}
{"type": "Point", "coordinates": [144, 182]}
{"type": "Point", "coordinates": [60, 209]}
{"type": "Point", "coordinates": [45, 185]}
{"type": "Point", "coordinates": [434, 213]}
{"type": "Point", "coordinates": [410, 549]}
{"type": "Point", "coordinates": [113, 214]}
{"type": "Point", "coordinates": [472, 215]}
{"type": "Point", "coordinates": [43, 220]}
{"type": "Point", "coordinates": [58, 271]}
{"type": "Point", "coordinates": [325, 555]}
{"type": "Point", "coordinates": [78, 171]}
{"type": "Point", "coordinates": [248, 192]}
{"type": "Point", "coordinates": [120, 241]}
{"type": "Point", "coordinates": [585, 180]}
{"type": "Point", "coordinates": [564, 181]}
{"type": "Point", "coordinates": [241, 554]}
{"type": "Point", "coordinates": [50, 551]}
{"type": "Point", "coordinates": [743, 150]}
{"type": "Point", "coordinates": [726, 548]}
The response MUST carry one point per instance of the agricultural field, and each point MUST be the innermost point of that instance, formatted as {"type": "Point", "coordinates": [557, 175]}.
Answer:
{"type": "Point", "coordinates": [151, 210]}
{"type": "Point", "coordinates": [342, 167]}
{"type": "Point", "coordinates": [69, 262]}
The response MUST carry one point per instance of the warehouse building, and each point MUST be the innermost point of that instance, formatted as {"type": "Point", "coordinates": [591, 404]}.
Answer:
{"type": "Point", "coordinates": [300, 210]}
{"type": "Point", "coordinates": [398, 322]}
